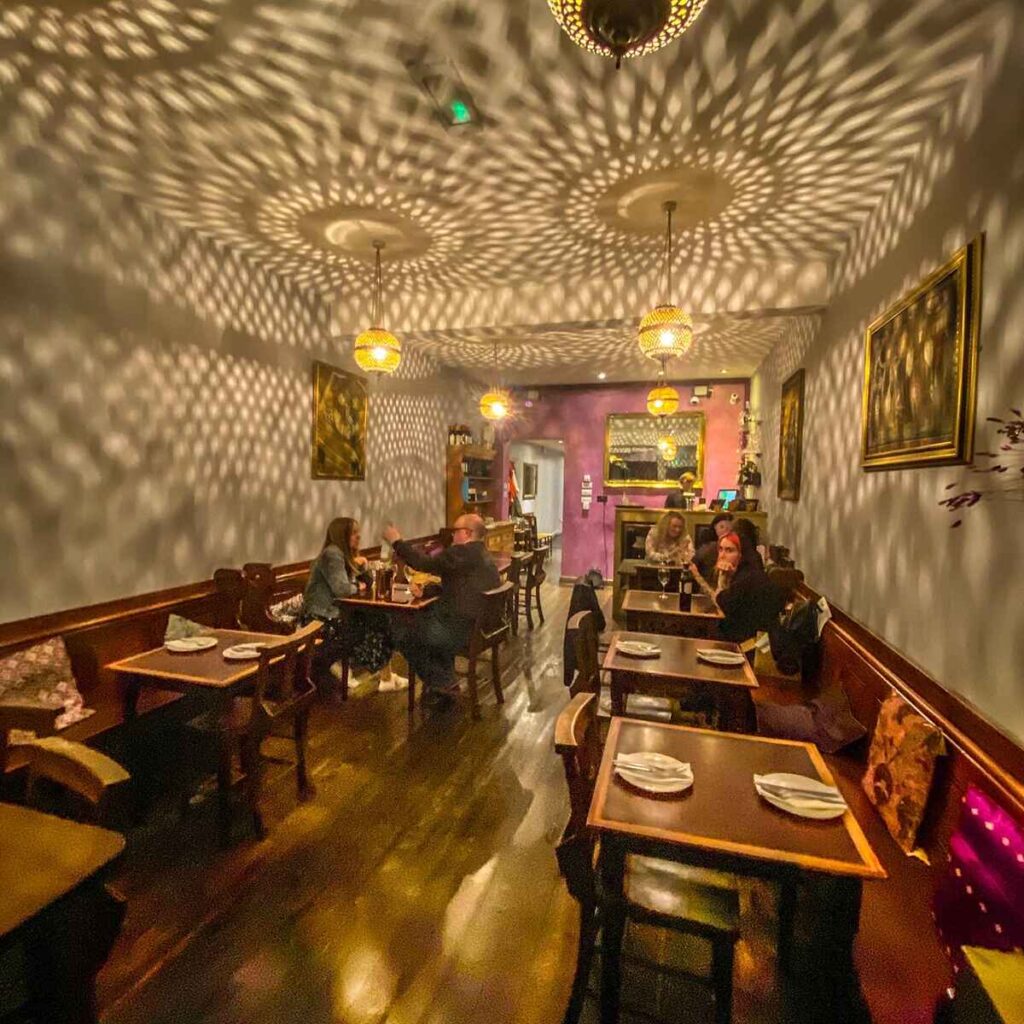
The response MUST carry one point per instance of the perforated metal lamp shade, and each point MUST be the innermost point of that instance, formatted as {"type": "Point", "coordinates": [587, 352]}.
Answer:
{"type": "Point", "coordinates": [665, 333]}
{"type": "Point", "coordinates": [667, 448]}
{"type": "Point", "coordinates": [662, 400]}
{"type": "Point", "coordinates": [624, 28]}
{"type": "Point", "coordinates": [495, 405]}
{"type": "Point", "coordinates": [378, 351]}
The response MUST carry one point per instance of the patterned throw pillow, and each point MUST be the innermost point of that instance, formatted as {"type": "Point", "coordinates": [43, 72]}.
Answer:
{"type": "Point", "coordinates": [179, 628]}
{"type": "Point", "coordinates": [980, 902]}
{"type": "Point", "coordinates": [288, 610]}
{"type": "Point", "coordinates": [42, 675]}
{"type": "Point", "coordinates": [901, 765]}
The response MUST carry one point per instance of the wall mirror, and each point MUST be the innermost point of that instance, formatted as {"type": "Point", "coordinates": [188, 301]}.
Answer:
{"type": "Point", "coordinates": [641, 451]}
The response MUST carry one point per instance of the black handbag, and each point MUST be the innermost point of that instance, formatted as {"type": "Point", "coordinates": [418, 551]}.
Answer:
{"type": "Point", "coordinates": [794, 639]}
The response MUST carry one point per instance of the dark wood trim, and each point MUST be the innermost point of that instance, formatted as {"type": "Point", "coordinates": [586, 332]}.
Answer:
{"type": "Point", "coordinates": [995, 754]}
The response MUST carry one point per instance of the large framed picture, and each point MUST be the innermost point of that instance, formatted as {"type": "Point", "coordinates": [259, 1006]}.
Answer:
{"type": "Point", "coordinates": [920, 370]}
{"type": "Point", "coordinates": [791, 437]}
{"type": "Point", "coordinates": [339, 424]}
{"type": "Point", "coordinates": [529, 480]}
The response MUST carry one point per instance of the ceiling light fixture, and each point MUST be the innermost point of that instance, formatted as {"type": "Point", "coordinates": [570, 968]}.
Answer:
{"type": "Point", "coordinates": [624, 28]}
{"type": "Point", "coordinates": [496, 403]}
{"type": "Point", "coordinates": [667, 448]}
{"type": "Point", "coordinates": [662, 400]}
{"type": "Point", "coordinates": [377, 350]}
{"type": "Point", "coordinates": [666, 332]}
{"type": "Point", "coordinates": [602, 375]}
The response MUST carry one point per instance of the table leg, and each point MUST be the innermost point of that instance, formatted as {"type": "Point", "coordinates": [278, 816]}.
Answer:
{"type": "Point", "coordinates": [737, 709]}
{"type": "Point", "coordinates": [131, 697]}
{"type": "Point", "coordinates": [618, 689]}
{"type": "Point", "coordinates": [788, 891]}
{"type": "Point", "coordinates": [612, 866]}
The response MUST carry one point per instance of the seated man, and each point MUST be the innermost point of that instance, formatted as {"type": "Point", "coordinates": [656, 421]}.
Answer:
{"type": "Point", "coordinates": [431, 639]}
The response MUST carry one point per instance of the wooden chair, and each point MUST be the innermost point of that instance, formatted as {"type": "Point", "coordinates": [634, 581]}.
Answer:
{"type": "Point", "coordinates": [516, 575]}
{"type": "Point", "coordinates": [283, 691]}
{"type": "Point", "coordinates": [662, 893]}
{"type": "Point", "coordinates": [258, 582]}
{"type": "Point", "coordinates": [787, 580]}
{"type": "Point", "coordinates": [529, 590]}
{"type": "Point", "coordinates": [582, 634]}
{"type": "Point", "coordinates": [492, 627]}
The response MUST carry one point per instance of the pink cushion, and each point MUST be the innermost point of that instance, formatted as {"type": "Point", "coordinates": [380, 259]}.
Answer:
{"type": "Point", "coordinates": [980, 901]}
{"type": "Point", "coordinates": [42, 675]}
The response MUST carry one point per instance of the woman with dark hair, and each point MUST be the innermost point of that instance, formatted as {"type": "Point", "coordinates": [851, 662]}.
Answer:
{"type": "Point", "coordinates": [340, 571]}
{"type": "Point", "coordinates": [748, 598]}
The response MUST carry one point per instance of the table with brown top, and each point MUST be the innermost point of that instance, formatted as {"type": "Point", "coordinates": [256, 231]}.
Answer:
{"type": "Point", "coordinates": [647, 611]}
{"type": "Point", "coordinates": [721, 822]}
{"type": "Point", "coordinates": [678, 672]}
{"type": "Point", "coordinates": [205, 673]}
{"type": "Point", "coordinates": [55, 905]}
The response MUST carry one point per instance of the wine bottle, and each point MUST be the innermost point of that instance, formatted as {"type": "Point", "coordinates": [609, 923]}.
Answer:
{"type": "Point", "coordinates": [687, 585]}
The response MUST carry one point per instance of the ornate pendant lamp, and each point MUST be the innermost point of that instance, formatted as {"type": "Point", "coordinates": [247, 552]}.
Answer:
{"type": "Point", "coordinates": [667, 448]}
{"type": "Point", "coordinates": [662, 400]}
{"type": "Point", "coordinates": [496, 402]}
{"type": "Point", "coordinates": [666, 332]}
{"type": "Point", "coordinates": [624, 28]}
{"type": "Point", "coordinates": [377, 350]}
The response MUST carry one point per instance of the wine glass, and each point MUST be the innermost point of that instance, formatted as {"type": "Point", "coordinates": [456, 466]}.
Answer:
{"type": "Point", "coordinates": [663, 578]}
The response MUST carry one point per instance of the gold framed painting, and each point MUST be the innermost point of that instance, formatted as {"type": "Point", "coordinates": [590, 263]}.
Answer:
{"type": "Point", "coordinates": [920, 370]}
{"type": "Point", "coordinates": [791, 437]}
{"type": "Point", "coordinates": [339, 424]}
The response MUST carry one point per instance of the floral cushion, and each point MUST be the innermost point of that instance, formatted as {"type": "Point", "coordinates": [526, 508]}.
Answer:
{"type": "Point", "coordinates": [980, 901]}
{"type": "Point", "coordinates": [901, 765]}
{"type": "Point", "coordinates": [42, 675]}
{"type": "Point", "coordinates": [287, 610]}
{"type": "Point", "coordinates": [179, 628]}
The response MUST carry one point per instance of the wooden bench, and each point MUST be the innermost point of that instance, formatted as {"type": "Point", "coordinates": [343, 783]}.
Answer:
{"type": "Point", "coordinates": [903, 968]}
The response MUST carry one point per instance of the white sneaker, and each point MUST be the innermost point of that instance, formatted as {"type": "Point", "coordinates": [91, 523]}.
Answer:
{"type": "Point", "coordinates": [396, 682]}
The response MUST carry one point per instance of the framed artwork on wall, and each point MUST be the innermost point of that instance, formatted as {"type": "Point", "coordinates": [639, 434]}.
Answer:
{"type": "Point", "coordinates": [791, 437]}
{"type": "Point", "coordinates": [339, 424]}
{"type": "Point", "coordinates": [920, 370]}
{"type": "Point", "coordinates": [529, 479]}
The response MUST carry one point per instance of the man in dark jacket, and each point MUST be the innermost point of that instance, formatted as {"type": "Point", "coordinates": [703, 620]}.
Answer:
{"type": "Point", "coordinates": [431, 639]}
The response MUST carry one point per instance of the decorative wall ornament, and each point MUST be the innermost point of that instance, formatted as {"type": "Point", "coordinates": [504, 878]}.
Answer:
{"type": "Point", "coordinates": [624, 28]}
{"type": "Point", "coordinates": [791, 438]}
{"type": "Point", "coordinates": [666, 332]}
{"type": "Point", "coordinates": [920, 370]}
{"type": "Point", "coordinates": [377, 350]}
{"type": "Point", "coordinates": [662, 400]}
{"type": "Point", "coordinates": [339, 424]}
{"type": "Point", "coordinates": [1003, 477]}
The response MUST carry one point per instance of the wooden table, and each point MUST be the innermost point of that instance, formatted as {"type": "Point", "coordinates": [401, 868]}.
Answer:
{"type": "Point", "coordinates": [207, 673]}
{"type": "Point", "coordinates": [677, 671]}
{"type": "Point", "coordinates": [56, 907]}
{"type": "Point", "coordinates": [721, 822]}
{"type": "Point", "coordinates": [649, 612]}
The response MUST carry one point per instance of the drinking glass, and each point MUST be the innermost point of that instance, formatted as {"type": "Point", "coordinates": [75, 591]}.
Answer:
{"type": "Point", "coordinates": [663, 578]}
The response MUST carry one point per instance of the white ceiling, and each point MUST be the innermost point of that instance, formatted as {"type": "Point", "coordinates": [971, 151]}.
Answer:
{"type": "Point", "coordinates": [782, 122]}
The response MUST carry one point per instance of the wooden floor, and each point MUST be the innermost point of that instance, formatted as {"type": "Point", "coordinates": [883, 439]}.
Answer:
{"type": "Point", "coordinates": [419, 886]}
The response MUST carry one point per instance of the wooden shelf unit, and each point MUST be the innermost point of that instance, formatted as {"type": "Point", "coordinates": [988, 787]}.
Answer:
{"type": "Point", "coordinates": [482, 472]}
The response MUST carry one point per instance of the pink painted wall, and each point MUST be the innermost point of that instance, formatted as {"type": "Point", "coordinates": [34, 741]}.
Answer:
{"type": "Point", "coordinates": [577, 416]}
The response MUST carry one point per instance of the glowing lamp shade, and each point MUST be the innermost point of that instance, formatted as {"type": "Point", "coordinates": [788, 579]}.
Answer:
{"type": "Point", "coordinates": [495, 405]}
{"type": "Point", "coordinates": [624, 28]}
{"type": "Point", "coordinates": [667, 448]}
{"type": "Point", "coordinates": [662, 400]}
{"type": "Point", "coordinates": [378, 351]}
{"type": "Point", "coordinates": [665, 333]}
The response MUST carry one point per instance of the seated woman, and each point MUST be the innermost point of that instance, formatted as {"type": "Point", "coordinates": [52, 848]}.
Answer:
{"type": "Point", "coordinates": [748, 598]}
{"type": "Point", "coordinates": [668, 541]}
{"type": "Point", "coordinates": [340, 571]}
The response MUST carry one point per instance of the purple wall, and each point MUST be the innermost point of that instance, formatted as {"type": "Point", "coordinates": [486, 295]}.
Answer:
{"type": "Point", "coordinates": [577, 417]}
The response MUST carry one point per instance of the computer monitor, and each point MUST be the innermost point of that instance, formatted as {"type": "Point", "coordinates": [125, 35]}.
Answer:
{"type": "Point", "coordinates": [727, 496]}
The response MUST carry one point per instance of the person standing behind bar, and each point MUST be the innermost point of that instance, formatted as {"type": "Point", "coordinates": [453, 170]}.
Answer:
{"type": "Point", "coordinates": [431, 639]}
{"type": "Point", "coordinates": [679, 499]}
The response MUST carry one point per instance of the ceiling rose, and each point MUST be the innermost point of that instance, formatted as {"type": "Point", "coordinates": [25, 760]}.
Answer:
{"type": "Point", "coordinates": [624, 28]}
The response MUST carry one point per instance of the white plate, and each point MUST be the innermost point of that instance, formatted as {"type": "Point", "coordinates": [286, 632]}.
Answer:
{"type": "Point", "coordinates": [637, 648]}
{"type": "Point", "coordinates": [733, 659]}
{"type": "Point", "coordinates": [244, 652]}
{"type": "Point", "coordinates": [189, 644]}
{"type": "Point", "coordinates": [803, 807]}
{"type": "Point", "coordinates": [651, 782]}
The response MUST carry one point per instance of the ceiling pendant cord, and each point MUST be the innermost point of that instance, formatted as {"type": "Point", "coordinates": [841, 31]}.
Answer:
{"type": "Point", "coordinates": [668, 206]}
{"type": "Point", "coordinates": [378, 291]}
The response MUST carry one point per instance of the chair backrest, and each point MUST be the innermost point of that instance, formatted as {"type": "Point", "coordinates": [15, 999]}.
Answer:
{"type": "Point", "coordinates": [582, 632]}
{"type": "Point", "coordinates": [787, 580]}
{"type": "Point", "coordinates": [536, 572]}
{"type": "Point", "coordinates": [578, 742]}
{"type": "Point", "coordinates": [258, 584]}
{"type": "Point", "coordinates": [283, 674]}
{"type": "Point", "coordinates": [519, 565]}
{"type": "Point", "coordinates": [492, 621]}
{"type": "Point", "coordinates": [229, 582]}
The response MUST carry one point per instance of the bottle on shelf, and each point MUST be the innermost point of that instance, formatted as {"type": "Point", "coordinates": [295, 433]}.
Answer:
{"type": "Point", "coordinates": [687, 586]}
